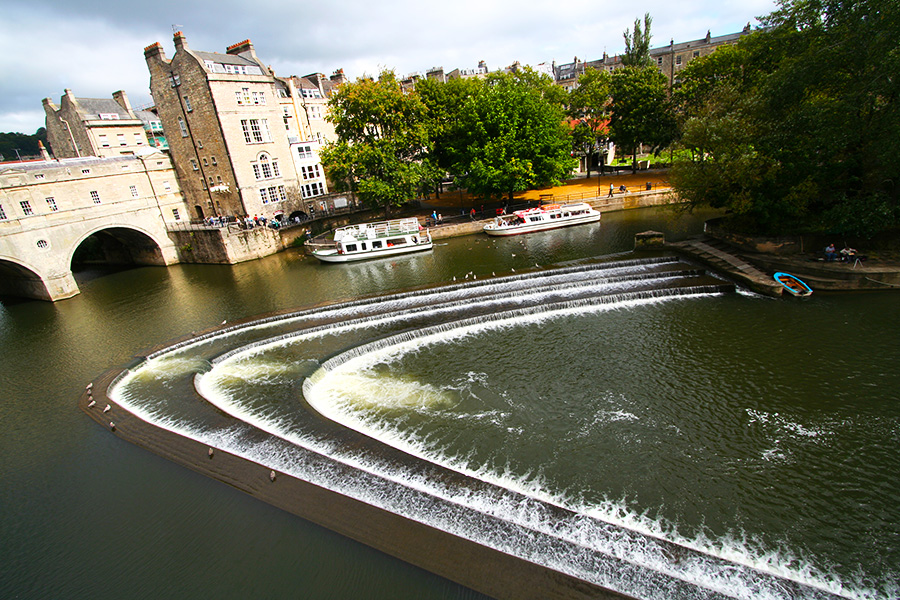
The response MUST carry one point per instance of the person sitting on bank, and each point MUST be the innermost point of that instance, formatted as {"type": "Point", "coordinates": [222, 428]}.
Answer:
{"type": "Point", "coordinates": [830, 253]}
{"type": "Point", "coordinates": [848, 253]}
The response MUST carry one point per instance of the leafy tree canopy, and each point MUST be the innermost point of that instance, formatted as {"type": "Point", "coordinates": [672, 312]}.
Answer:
{"type": "Point", "coordinates": [637, 44]}
{"type": "Point", "coordinates": [381, 152]}
{"type": "Point", "coordinates": [510, 136]}
{"type": "Point", "coordinates": [640, 110]}
{"type": "Point", "coordinates": [798, 128]}
{"type": "Point", "coordinates": [589, 106]}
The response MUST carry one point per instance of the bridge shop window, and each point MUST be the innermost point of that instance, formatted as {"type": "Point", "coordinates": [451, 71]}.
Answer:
{"type": "Point", "coordinates": [95, 196]}
{"type": "Point", "coordinates": [175, 214]}
{"type": "Point", "coordinates": [134, 191]}
{"type": "Point", "coordinates": [51, 204]}
{"type": "Point", "coordinates": [26, 207]}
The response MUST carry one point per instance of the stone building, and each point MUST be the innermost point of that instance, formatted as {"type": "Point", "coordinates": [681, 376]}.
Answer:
{"type": "Point", "coordinates": [81, 127]}
{"type": "Point", "coordinates": [226, 128]}
{"type": "Point", "coordinates": [669, 59]}
{"type": "Point", "coordinates": [48, 208]}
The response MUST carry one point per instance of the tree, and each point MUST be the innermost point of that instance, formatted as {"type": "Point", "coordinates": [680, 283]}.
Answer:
{"type": "Point", "coordinates": [637, 44]}
{"type": "Point", "coordinates": [443, 110]}
{"type": "Point", "coordinates": [641, 112]}
{"type": "Point", "coordinates": [589, 106]}
{"type": "Point", "coordinates": [381, 152]}
{"type": "Point", "coordinates": [815, 98]}
{"type": "Point", "coordinates": [510, 136]}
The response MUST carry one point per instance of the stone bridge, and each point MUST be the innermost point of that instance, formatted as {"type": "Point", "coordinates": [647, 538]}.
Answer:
{"type": "Point", "coordinates": [48, 209]}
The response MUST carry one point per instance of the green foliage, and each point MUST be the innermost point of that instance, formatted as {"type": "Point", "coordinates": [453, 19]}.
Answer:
{"type": "Point", "coordinates": [637, 44]}
{"type": "Point", "coordinates": [510, 136]}
{"type": "Point", "coordinates": [27, 145]}
{"type": "Point", "coordinates": [640, 110]}
{"type": "Point", "coordinates": [381, 152]}
{"type": "Point", "coordinates": [798, 127]}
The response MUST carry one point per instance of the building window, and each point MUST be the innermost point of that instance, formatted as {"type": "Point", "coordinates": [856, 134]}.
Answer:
{"type": "Point", "coordinates": [256, 131]}
{"type": "Point", "coordinates": [266, 168]}
{"type": "Point", "coordinates": [311, 172]}
{"type": "Point", "coordinates": [187, 104]}
{"type": "Point", "coordinates": [315, 112]}
{"type": "Point", "coordinates": [167, 186]}
{"type": "Point", "coordinates": [2, 213]}
{"type": "Point", "coordinates": [304, 151]}
{"type": "Point", "coordinates": [194, 165]}
{"type": "Point", "coordinates": [42, 244]}
{"type": "Point", "coordinates": [38, 176]}
{"type": "Point", "coordinates": [85, 171]}
{"type": "Point", "coordinates": [138, 139]}
{"type": "Point", "coordinates": [678, 60]}
{"type": "Point", "coordinates": [183, 127]}
{"type": "Point", "coordinates": [174, 80]}
{"type": "Point", "coordinates": [312, 189]}
{"type": "Point", "coordinates": [134, 192]}
{"type": "Point", "coordinates": [696, 54]}
{"type": "Point", "coordinates": [659, 60]}
{"type": "Point", "coordinates": [121, 139]}
{"type": "Point", "coordinates": [95, 196]}
{"type": "Point", "coordinates": [205, 162]}
{"type": "Point", "coordinates": [51, 204]}
{"type": "Point", "coordinates": [109, 117]}
{"type": "Point", "coordinates": [243, 96]}
{"type": "Point", "coordinates": [26, 207]}
{"type": "Point", "coordinates": [104, 142]}
{"type": "Point", "coordinates": [175, 214]}
{"type": "Point", "coordinates": [212, 159]}
{"type": "Point", "coordinates": [200, 144]}
{"type": "Point", "coordinates": [272, 194]}
{"type": "Point", "coordinates": [259, 98]}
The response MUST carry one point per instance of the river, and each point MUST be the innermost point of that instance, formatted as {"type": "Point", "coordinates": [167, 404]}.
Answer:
{"type": "Point", "coordinates": [759, 431]}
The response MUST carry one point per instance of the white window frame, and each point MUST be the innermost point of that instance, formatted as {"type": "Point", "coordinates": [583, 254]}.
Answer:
{"type": "Point", "coordinates": [26, 207]}
{"type": "Point", "coordinates": [95, 196]}
{"type": "Point", "coordinates": [51, 203]}
{"type": "Point", "coordinates": [134, 191]}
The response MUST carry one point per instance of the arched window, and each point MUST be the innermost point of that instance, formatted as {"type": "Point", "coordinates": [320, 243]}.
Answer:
{"type": "Point", "coordinates": [266, 167]}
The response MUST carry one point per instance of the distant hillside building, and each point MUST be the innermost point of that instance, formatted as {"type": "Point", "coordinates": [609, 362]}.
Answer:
{"type": "Point", "coordinates": [226, 127]}
{"type": "Point", "coordinates": [82, 127]}
{"type": "Point", "coordinates": [669, 59]}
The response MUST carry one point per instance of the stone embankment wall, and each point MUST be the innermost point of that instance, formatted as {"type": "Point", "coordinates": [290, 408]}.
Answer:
{"type": "Point", "coordinates": [226, 245]}
{"type": "Point", "coordinates": [617, 202]}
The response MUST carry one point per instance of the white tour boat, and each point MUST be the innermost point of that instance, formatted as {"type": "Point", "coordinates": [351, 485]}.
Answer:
{"type": "Point", "coordinates": [544, 217]}
{"type": "Point", "coordinates": [375, 240]}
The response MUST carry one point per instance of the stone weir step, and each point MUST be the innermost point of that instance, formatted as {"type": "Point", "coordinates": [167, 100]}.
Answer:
{"type": "Point", "coordinates": [721, 258]}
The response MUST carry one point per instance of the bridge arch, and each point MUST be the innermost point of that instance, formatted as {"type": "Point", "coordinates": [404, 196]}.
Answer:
{"type": "Point", "coordinates": [118, 244]}
{"type": "Point", "coordinates": [20, 280]}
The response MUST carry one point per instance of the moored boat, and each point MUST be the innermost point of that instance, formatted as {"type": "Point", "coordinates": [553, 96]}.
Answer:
{"type": "Point", "coordinates": [375, 240]}
{"type": "Point", "coordinates": [542, 218]}
{"type": "Point", "coordinates": [793, 284]}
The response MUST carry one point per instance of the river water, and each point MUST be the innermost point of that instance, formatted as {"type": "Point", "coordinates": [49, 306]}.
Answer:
{"type": "Point", "coordinates": [760, 433]}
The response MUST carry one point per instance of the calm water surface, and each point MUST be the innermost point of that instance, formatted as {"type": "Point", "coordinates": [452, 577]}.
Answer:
{"type": "Point", "coordinates": [768, 428]}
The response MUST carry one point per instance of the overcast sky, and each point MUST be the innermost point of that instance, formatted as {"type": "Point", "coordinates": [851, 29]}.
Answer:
{"type": "Point", "coordinates": [95, 47]}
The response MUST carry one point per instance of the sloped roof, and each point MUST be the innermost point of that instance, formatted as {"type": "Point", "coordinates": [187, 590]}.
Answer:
{"type": "Point", "coordinates": [92, 108]}
{"type": "Point", "coordinates": [225, 59]}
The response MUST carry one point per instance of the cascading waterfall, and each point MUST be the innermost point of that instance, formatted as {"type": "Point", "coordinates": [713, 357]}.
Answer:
{"type": "Point", "coordinates": [623, 554]}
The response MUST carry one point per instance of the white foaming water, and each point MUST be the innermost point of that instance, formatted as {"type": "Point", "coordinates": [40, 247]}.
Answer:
{"type": "Point", "coordinates": [584, 529]}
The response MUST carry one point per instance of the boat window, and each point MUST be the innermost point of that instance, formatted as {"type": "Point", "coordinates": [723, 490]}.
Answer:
{"type": "Point", "coordinates": [364, 246]}
{"type": "Point", "coordinates": [351, 248]}
{"type": "Point", "coordinates": [396, 241]}
{"type": "Point", "coordinates": [376, 245]}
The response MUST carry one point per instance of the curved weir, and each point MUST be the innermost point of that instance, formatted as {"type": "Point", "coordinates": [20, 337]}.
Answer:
{"type": "Point", "coordinates": [259, 390]}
